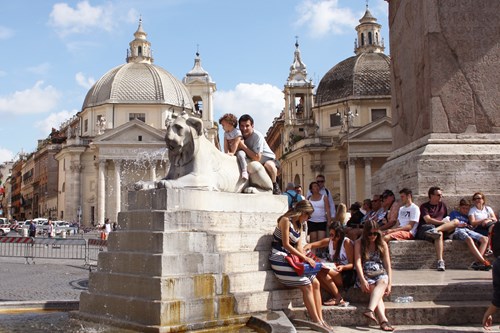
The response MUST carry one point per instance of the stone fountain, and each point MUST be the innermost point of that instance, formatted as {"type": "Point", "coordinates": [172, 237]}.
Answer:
{"type": "Point", "coordinates": [193, 250]}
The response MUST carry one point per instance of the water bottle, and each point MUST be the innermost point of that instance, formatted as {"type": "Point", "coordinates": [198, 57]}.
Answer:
{"type": "Point", "coordinates": [403, 299]}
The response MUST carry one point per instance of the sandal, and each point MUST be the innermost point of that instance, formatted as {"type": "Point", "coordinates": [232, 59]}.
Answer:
{"type": "Point", "coordinates": [330, 302]}
{"type": "Point", "coordinates": [342, 303]}
{"type": "Point", "coordinates": [371, 315]}
{"type": "Point", "coordinates": [386, 327]}
{"type": "Point", "coordinates": [328, 327]}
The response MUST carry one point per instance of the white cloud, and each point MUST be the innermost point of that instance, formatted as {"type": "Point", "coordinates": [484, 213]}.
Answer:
{"type": "Point", "coordinates": [5, 155]}
{"type": "Point", "coordinates": [38, 99]}
{"type": "Point", "coordinates": [5, 33]}
{"type": "Point", "coordinates": [132, 16]}
{"type": "Point", "coordinates": [53, 120]}
{"type": "Point", "coordinates": [86, 82]}
{"type": "Point", "coordinates": [325, 16]}
{"type": "Point", "coordinates": [381, 9]}
{"type": "Point", "coordinates": [67, 20]}
{"type": "Point", "coordinates": [263, 102]}
{"type": "Point", "coordinates": [41, 69]}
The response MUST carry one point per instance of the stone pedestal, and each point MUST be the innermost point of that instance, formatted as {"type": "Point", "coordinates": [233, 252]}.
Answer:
{"type": "Point", "coordinates": [445, 109]}
{"type": "Point", "coordinates": [461, 164]}
{"type": "Point", "coordinates": [185, 259]}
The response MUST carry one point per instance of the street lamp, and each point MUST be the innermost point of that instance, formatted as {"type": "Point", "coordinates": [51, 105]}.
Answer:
{"type": "Point", "coordinates": [346, 119]}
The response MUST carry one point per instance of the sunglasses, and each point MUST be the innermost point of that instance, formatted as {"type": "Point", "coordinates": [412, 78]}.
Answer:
{"type": "Point", "coordinates": [373, 233]}
{"type": "Point", "coordinates": [320, 181]}
{"type": "Point", "coordinates": [477, 198]}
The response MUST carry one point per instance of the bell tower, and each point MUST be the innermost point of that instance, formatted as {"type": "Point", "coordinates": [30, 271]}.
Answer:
{"type": "Point", "coordinates": [202, 88]}
{"type": "Point", "coordinates": [298, 91]}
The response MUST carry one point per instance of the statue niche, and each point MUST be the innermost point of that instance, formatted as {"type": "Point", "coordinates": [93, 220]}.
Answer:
{"type": "Point", "coordinates": [195, 163]}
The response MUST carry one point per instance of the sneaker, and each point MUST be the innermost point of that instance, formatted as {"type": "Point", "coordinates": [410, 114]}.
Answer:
{"type": "Point", "coordinates": [244, 175]}
{"type": "Point", "coordinates": [433, 233]}
{"type": "Point", "coordinates": [475, 265]}
{"type": "Point", "coordinates": [488, 253]}
{"type": "Point", "coordinates": [440, 266]}
{"type": "Point", "coordinates": [276, 188]}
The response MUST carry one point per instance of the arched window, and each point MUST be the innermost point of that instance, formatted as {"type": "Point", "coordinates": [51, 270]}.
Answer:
{"type": "Point", "coordinates": [139, 50]}
{"type": "Point", "coordinates": [362, 39]}
{"type": "Point", "coordinates": [370, 41]}
{"type": "Point", "coordinates": [376, 38]}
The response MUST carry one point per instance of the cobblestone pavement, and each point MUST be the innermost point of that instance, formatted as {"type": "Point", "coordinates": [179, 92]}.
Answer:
{"type": "Point", "coordinates": [47, 279]}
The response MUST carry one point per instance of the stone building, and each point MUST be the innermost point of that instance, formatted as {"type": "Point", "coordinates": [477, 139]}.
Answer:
{"type": "Point", "coordinates": [118, 136]}
{"type": "Point", "coordinates": [5, 189]}
{"type": "Point", "coordinates": [343, 130]}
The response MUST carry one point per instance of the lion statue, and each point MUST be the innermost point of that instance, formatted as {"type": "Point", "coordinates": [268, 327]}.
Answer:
{"type": "Point", "coordinates": [196, 163]}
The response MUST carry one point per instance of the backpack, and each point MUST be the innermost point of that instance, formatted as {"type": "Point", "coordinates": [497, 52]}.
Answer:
{"type": "Point", "coordinates": [295, 199]}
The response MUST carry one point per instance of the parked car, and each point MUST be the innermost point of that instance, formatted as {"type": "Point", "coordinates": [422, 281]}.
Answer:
{"type": "Point", "coordinates": [4, 230]}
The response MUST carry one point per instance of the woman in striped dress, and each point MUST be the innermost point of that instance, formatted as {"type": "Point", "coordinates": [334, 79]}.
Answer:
{"type": "Point", "coordinates": [287, 240]}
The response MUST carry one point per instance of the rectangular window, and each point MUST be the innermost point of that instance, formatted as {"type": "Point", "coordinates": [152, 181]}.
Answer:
{"type": "Point", "coordinates": [378, 113]}
{"type": "Point", "coordinates": [334, 120]}
{"type": "Point", "coordinates": [138, 116]}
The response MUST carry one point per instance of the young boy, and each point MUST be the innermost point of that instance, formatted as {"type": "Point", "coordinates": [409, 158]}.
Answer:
{"type": "Point", "coordinates": [232, 137]}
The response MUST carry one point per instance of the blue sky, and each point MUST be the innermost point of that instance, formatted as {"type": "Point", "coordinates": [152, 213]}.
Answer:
{"type": "Point", "coordinates": [54, 51]}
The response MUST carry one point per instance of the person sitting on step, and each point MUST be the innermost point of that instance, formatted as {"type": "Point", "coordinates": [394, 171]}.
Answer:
{"type": "Point", "coordinates": [481, 216]}
{"type": "Point", "coordinates": [408, 217]}
{"type": "Point", "coordinates": [340, 260]}
{"type": "Point", "coordinates": [464, 232]}
{"type": "Point", "coordinates": [373, 267]}
{"type": "Point", "coordinates": [434, 221]}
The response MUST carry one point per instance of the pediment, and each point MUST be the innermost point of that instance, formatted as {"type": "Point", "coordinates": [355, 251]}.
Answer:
{"type": "Point", "coordinates": [132, 132]}
{"type": "Point", "coordinates": [379, 130]}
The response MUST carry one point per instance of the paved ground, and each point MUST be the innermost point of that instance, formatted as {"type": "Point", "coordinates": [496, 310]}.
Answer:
{"type": "Point", "coordinates": [63, 280]}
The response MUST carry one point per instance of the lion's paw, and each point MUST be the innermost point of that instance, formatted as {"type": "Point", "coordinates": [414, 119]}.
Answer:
{"type": "Point", "coordinates": [163, 184]}
{"type": "Point", "coordinates": [144, 185]}
{"type": "Point", "coordinates": [251, 190]}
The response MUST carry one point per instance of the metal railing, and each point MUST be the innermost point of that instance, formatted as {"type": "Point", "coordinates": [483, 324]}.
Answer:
{"type": "Point", "coordinates": [32, 248]}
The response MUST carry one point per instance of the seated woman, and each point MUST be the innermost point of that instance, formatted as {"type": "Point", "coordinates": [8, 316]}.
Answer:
{"type": "Point", "coordinates": [341, 255]}
{"type": "Point", "coordinates": [342, 215]}
{"type": "Point", "coordinates": [287, 239]}
{"type": "Point", "coordinates": [481, 216]}
{"type": "Point", "coordinates": [373, 267]}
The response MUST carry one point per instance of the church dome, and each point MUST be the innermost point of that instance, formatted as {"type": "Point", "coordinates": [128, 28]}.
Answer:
{"type": "Point", "coordinates": [138, 82]}
{"type": "Point", "coordinates": [366, 74]}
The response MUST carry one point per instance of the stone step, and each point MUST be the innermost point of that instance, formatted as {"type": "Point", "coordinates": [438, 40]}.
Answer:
{"type": "Point", "coordinates": [188, 241]}
{"type": "Point", "coordinates": [416, 313]}
{"type": "Point", "coordinates": [137, 263]}
{"type": "Point", "coordinates": [422, 285]}
{"type": "Point", "coordinates": [174, 313]}
{"type": "Point", "coordinates": [186, 264]}
{"type": "Point", "coordinates": [196, 200]}
{"type": "Point", "coordinates": [421, 254]}
{"type": "Point", "coordinates": [162, 220]}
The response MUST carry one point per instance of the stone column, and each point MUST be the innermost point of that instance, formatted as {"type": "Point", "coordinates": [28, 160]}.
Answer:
{"type": "Point", "coordinates": [152, 170]}
{"type": "Point", "coordinates": [342, 185]}
{"type": "Point", "coordinates": [118, 187]}
{"type": "Point", "coordinates": [368, 177]}
{"type": "Point", "coordinates": [101, 187]}
{"type": "Point", "coordinates": [352, 181]}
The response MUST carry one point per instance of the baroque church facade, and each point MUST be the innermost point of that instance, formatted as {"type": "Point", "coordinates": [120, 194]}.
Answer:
{"type": "Point", "coordinates": [117, 138]}
{"type": "Point", "coordinates": [343, 128]}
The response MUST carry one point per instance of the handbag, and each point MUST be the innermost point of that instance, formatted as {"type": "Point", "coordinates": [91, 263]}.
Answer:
{"type": "Point", "coordinates": [301, 267]}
